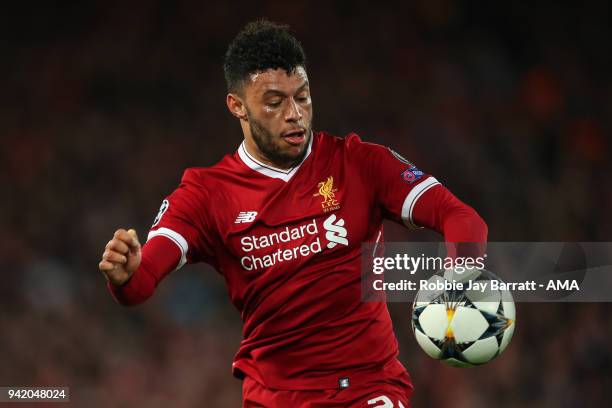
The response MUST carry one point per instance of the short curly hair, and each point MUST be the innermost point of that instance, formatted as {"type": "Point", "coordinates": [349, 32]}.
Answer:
{"type": "Point", "coordinates": [261, 45]}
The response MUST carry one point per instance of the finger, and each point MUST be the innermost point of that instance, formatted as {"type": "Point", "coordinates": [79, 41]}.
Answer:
{"type": "Point", "coordinates": [114, 257]}
{"type": "Point", "coordinates": [106, 266]}
{"type": "Point", "coordinates": [134, 243]}
{"type": "Point", "coordinates": [117, 246]}
{"type": "Point", "coordinates": [122, 235]}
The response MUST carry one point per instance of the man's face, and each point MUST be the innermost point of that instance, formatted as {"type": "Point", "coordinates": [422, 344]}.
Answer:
{"type": "Point", "coordinates": [279, 112]}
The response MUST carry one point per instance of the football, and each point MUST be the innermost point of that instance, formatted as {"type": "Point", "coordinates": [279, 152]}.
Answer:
{"type": "Point", "coordinates": [462, 319]}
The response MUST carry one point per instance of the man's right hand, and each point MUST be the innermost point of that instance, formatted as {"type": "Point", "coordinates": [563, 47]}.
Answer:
{"type": "Point", "coordinates": [121, 257]}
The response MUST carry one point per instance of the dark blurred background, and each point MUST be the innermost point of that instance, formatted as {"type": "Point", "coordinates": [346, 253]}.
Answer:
{"type": "Point", "coordinates": [103, 104]}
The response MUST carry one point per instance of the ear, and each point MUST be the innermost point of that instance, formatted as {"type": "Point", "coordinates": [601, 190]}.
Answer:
{"type": "Point", "coordinates": [236, 106]}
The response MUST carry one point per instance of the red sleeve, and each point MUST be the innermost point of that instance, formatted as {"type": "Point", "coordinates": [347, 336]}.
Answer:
{"type": "Point", "coordinates": [183, 219]}
{"type": "Point", "coordinates": [396, 182]}
{"type": "Point", "coordinates": [464, 230]}
{"type": "Point", "coordinates": [159, 257]}
{"type": "Point", "coordinates": [416, 199]}
{"type": "Point", "coordinates": [180, 234]}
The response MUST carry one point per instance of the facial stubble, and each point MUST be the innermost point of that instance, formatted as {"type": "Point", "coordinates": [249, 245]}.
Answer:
{"type": "Point", "coordinates": [265, 142]}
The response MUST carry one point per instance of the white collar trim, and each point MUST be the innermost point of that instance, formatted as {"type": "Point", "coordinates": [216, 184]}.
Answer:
{"type": "Point", "coordinates": [268, 170]}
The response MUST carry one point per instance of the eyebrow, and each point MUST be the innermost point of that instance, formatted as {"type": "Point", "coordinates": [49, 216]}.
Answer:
{"type": "Point", "coordinates": [281, 93]}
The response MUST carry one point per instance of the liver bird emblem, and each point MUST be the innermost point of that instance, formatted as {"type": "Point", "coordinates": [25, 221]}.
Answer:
{"type": "Point", "coordinates": [326, 189]}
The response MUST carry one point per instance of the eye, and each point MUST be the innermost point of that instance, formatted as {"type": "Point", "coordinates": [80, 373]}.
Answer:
{"type": "Point", "coordinates": [274, 104]}
{"type": "Point", "coordinates": [303, 98]}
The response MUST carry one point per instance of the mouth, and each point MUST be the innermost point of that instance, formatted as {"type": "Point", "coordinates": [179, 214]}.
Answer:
{"type": "Point", "coordinates": [294, 137]}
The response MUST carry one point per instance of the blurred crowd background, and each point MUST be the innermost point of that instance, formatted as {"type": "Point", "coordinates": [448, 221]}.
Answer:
{"type": "Point", "coordinates": [103, 104]}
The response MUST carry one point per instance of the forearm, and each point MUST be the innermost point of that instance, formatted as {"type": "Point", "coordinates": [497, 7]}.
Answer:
{"type": "Point", "coordinates": [463, 229]}
{"type": "Point", "coordinates": [160, 256]}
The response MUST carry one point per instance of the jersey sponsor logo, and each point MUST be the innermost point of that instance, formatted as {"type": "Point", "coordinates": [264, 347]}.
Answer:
{"type": "Point", "coordinates": [297, 236]}
{"type": "Point", "coordinates": [291, 243]}
{"type": "Point", "coordinates": [164, 206]}
{"type": "Point", "coordinates": [336, 233]}
{"type": "Point", "coordinates": [245, 217]}
{"type": "Point", "coordinates": [327, 191]}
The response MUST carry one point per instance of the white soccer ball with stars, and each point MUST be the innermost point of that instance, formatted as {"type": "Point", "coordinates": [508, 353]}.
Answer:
{"type": "Point", "coordinates": [466, 327]}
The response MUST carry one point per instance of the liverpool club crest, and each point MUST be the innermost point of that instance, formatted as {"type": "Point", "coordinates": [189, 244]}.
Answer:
{"type": "Point", "coordinates": [327, 191]}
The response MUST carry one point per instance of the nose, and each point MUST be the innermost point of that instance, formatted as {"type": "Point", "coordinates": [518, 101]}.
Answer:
{"type": "Point", "coordinates": [292, 113]}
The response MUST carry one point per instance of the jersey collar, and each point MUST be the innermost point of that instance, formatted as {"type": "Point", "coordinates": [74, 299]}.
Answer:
{"type": "Point", "coordinates": [268, 170]}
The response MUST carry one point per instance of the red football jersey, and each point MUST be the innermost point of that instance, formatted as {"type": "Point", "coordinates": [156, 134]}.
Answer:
{"type": "Point", "coordinates": [288, 243]}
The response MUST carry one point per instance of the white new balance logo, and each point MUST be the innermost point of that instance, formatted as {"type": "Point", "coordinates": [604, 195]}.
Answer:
{"type": "Point", "coordinates": [336, 233]}
{"type": "Point", "coordinates": [245, 216]}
